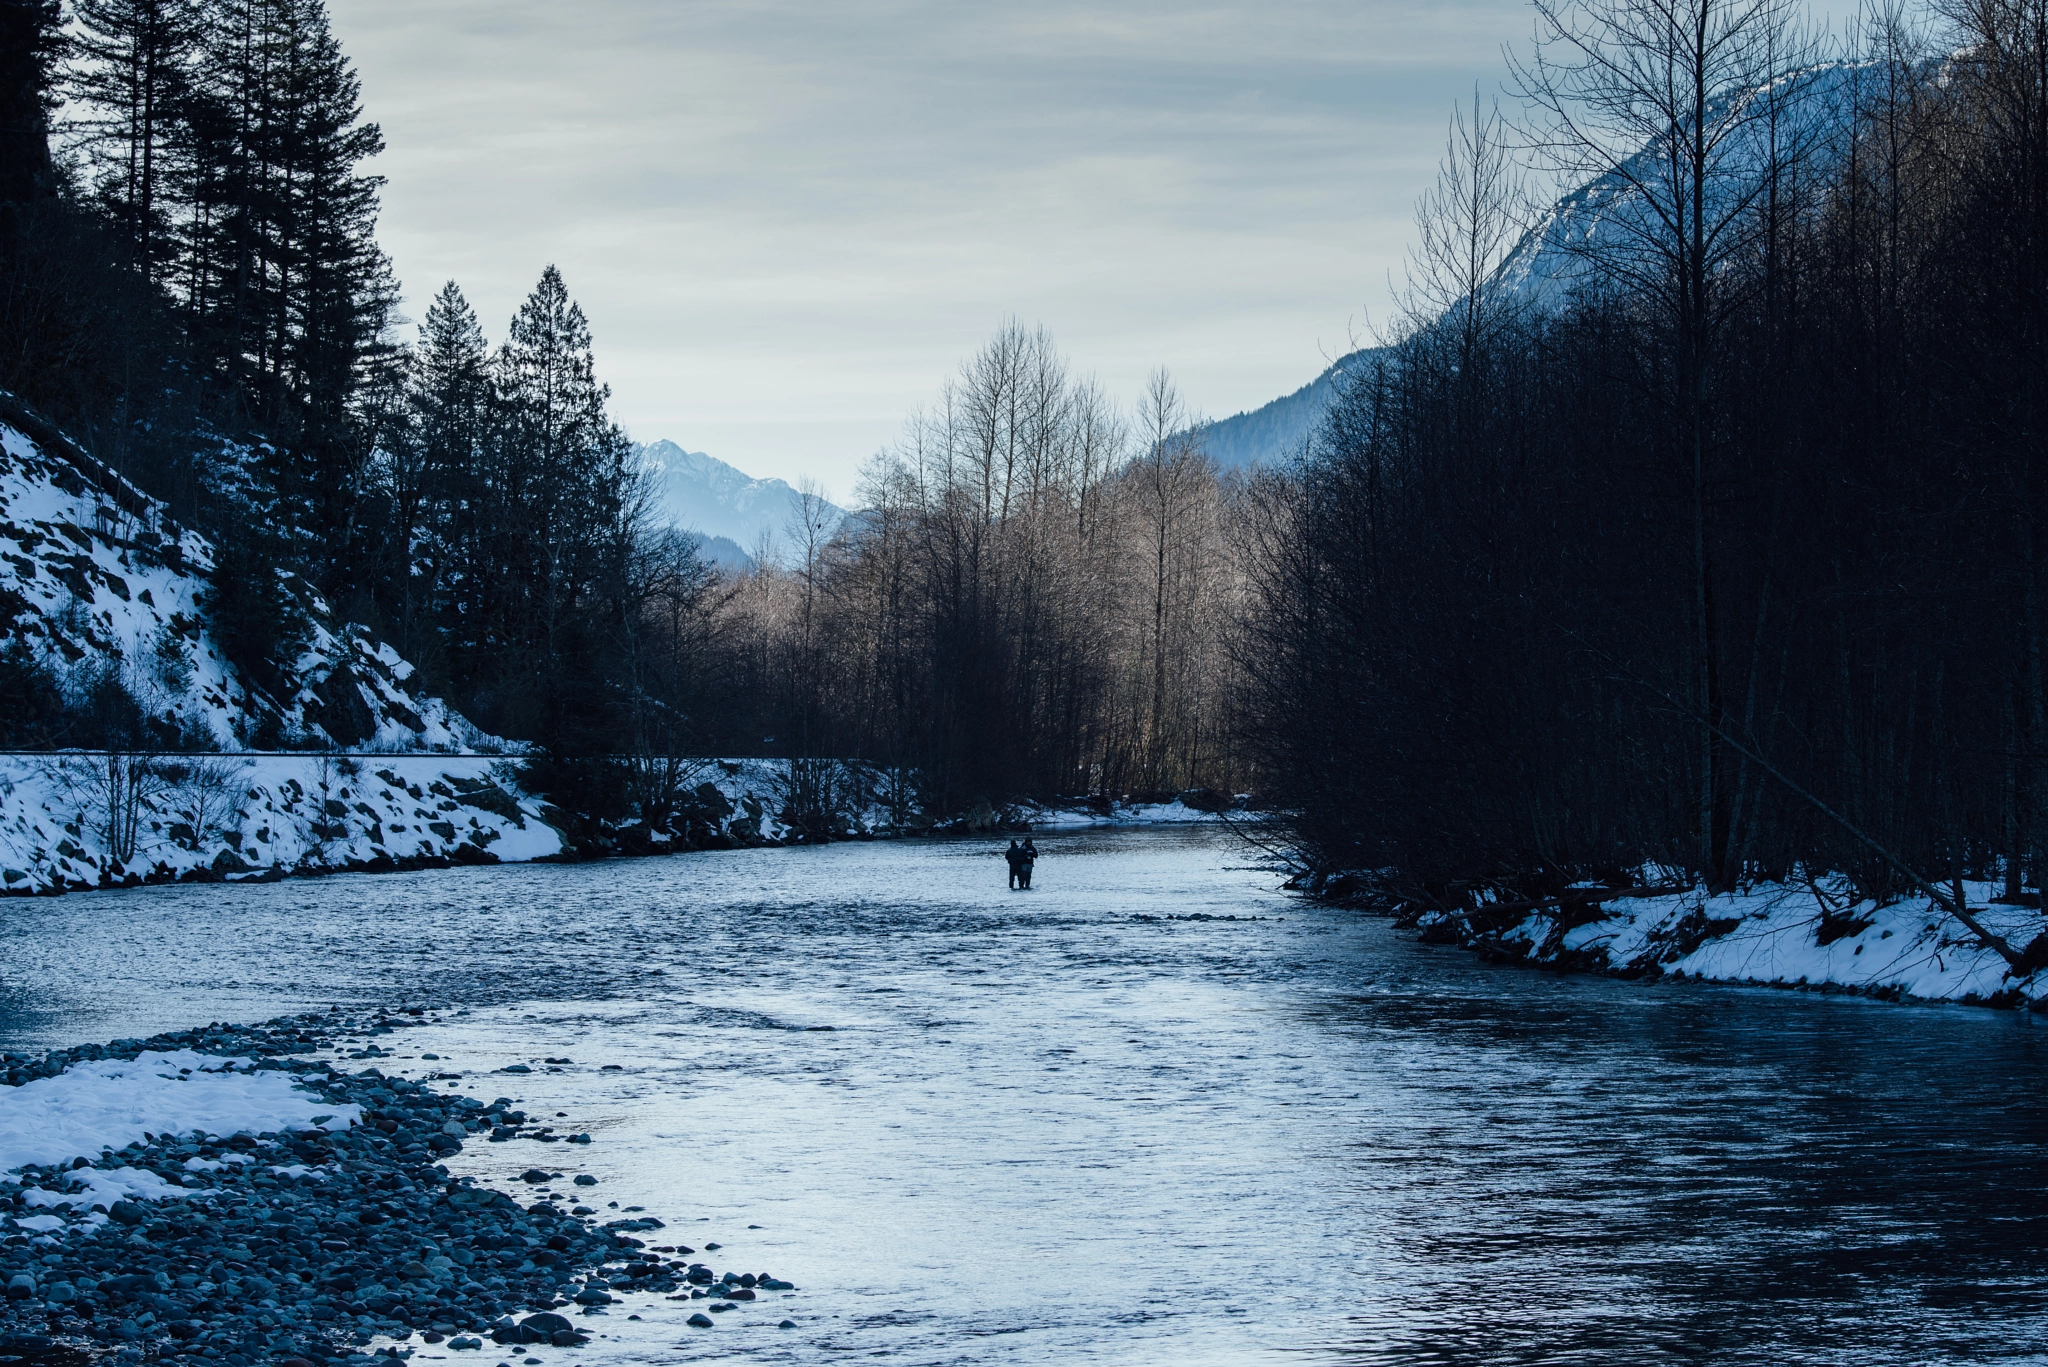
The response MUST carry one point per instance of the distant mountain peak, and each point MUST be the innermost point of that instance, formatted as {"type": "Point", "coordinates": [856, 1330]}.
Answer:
{"type": "Point", "coordinates": [727, 507]}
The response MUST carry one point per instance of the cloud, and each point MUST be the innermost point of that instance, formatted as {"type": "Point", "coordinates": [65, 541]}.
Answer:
{"type": "Point", "coordinates": [788, 222]}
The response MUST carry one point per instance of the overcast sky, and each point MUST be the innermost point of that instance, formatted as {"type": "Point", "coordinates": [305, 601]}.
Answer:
{"type": "Point", "coordinates": [790, 221]}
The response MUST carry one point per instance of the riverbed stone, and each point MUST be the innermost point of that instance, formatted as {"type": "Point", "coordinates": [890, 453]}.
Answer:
{"type": "Point", "coordinates": [376, 1240]}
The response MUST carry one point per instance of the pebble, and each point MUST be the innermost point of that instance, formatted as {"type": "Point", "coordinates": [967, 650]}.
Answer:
{"type": "Point", "coordinates": [268, 1267]}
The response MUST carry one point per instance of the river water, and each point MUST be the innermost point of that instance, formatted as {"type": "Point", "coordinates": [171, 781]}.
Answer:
{"type": "Point", "coordinates": [1086, 1125]}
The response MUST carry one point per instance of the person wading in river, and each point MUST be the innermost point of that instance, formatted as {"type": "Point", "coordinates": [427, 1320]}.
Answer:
{"type": "Point", "coordinates": [1026, 857]}
{"type": "Point", "coordinates": [1015, 857]}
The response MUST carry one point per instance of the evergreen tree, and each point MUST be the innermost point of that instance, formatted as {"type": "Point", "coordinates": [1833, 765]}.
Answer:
{"type": "Point", "coordinates": [440, 486]}
{"type": "Point", "coordinates": [283, 278]}
{"type": "Point", "coordinates": [285, 290]}
{"type": "Point", "coordinates": [557, 455]}
{"type": "Point", "coordinates": [130, 76]}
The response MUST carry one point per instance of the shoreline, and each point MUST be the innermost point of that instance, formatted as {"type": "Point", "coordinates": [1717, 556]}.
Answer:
{"type": "Point", "coordinates": [1819, 936]}
{"type": "Point", "coordinates": [263, 818]}
{"type": "Point", "coordinates": [286, 1209]}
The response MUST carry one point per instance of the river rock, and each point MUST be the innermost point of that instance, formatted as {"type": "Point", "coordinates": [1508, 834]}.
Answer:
{"type": "Point", "coordinates": [700, 1320]}
{"type": "Point", "coordinates": [377, 1241]}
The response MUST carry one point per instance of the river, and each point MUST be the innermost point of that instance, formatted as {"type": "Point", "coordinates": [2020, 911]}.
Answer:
{"type": "Point", "coordinates": [1085, 1124]}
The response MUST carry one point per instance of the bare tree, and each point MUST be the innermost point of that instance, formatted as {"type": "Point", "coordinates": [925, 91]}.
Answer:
{"type": "Point", "coordinates": [1467, 225]}
{"type": "Point", "coordinates": [1672, 110]}
{"type": "Point", "coordinates": [1166, 478]}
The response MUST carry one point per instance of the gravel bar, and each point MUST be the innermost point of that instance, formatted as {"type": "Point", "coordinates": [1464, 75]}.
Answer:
{"type": "Point", "coordinates": [305, 1248]}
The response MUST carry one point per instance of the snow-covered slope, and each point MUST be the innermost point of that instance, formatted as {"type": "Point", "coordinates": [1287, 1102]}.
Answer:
{"type": "Point", "coordinates": [95, 578]}
{"type": "Point", "coordinates": [90, 820]}
{"type": "Point", "coordinates": [1275, 431]}
{"type": "Point", "coordinates": [710, 497]}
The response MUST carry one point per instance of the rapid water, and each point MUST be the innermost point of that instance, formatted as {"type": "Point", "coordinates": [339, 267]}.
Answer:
{"type": "Point", "coordinates": [978, 1126]}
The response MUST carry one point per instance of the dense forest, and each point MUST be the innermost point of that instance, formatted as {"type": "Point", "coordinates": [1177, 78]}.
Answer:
{"type": "Point", "coordinates": [1690, 525]}
{"type": "Point", "coordinates": [1723, 551]}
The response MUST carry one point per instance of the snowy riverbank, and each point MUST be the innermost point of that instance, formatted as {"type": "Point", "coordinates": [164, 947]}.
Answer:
{"type": "Point", "coordinates": [76, 821]}
{"type": "Point", "coordinates": [1174, 813]}
{"type": "Point", "coordinates": [1806, 935]}
{"type": "Point", "coordinates": [217, 1197]}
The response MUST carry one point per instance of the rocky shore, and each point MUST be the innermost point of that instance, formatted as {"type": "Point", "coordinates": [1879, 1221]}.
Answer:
{"type": "Point", "coordinates": [337, 1240]}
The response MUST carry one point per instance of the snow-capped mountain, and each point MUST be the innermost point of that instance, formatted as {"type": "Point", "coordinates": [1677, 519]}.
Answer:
{"type": "Point", "coordinates": [729, 508]}
{"type": "Point", "coordinates": [1605, 215]}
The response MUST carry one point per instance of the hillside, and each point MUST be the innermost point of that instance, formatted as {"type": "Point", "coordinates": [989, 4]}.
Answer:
{"type": "Point", "coordinates": [102, 594]}
{"type": "Point", "coordinates": [1275, 431]}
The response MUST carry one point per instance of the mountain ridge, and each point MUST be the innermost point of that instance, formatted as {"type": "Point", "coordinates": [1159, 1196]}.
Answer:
{"type": "Point", "coordinates": [1547, 263]}
{"type": "Point", "coordinates": [728, 509]}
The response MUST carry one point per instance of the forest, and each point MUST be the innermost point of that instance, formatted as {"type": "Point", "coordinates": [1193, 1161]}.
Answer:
{"type": "Point", "coordinates": [1688, 526]}
{"type": "Point", "coordinates": [1724, 560]}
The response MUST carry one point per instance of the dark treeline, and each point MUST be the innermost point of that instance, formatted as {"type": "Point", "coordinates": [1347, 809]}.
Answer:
{"type": "Point", "coordinates": [1725, 551]}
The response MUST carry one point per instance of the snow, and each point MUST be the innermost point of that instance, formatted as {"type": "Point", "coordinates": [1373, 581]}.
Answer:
{"type": "Point", "coordinates": [241, 815]}
{"type": "Point", "coordinates": [93, 585]}
{"type": "Point", "coordinates": [1769, 933]}
{"type": "Point", "coordinates": [1174, 813]}
{"type": "Point", "coordinates": [105, 1105]}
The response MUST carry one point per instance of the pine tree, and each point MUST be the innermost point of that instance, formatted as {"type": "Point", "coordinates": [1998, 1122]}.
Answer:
{"type": "Point", "coordinates": [285, 290]}
{"type": "Point", "coordinates": [130, 75]}
{"type": "Point", "coordinates": [441, 487]}
{"type": "Point", "coordinates": [284, 280]}
{"type": "Point", "coordinates": [562, 498]}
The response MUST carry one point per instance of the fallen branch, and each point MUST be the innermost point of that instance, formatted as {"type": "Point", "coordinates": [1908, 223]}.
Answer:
{"type": "Point", "coordinates": [2019, 963]}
